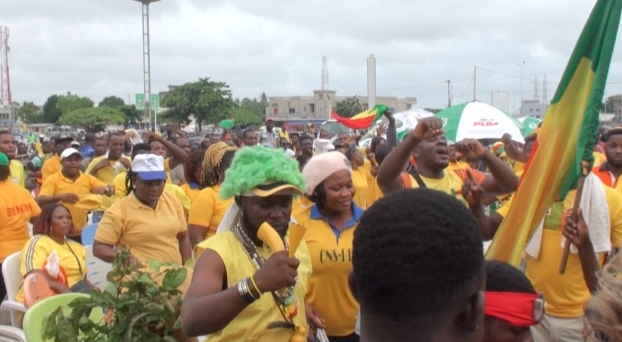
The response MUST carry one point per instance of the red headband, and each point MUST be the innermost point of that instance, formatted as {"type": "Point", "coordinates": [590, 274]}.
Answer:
{"type": "Point", "coordinates": [518, 309]}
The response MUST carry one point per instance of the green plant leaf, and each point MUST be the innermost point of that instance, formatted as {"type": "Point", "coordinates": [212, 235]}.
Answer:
{"type": "Point", "coordinates": [50, 324]}
{"type": "Point", "coordinates": [174, 278]}
{"type": "Point", "coordinates": [177, 325]}
{"type": "Point", "coordinates": [169, 339]}
{"type": "Point", "coordinates": [189, 263]}
{"type": "Point", "coordinates": [155, 265]}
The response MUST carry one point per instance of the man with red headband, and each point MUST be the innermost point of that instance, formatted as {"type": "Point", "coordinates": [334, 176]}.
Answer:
{"type": "Point", "coordinates": [511, 305]}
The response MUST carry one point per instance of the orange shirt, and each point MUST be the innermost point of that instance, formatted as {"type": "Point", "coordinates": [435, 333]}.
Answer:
{"type": "Point", "coordinates": [608, 178]}
{"type": "Point", "coordinates": [17, 207]}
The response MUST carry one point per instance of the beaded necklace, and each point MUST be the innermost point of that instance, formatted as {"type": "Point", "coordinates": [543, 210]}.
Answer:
{"type": "Point", "coordinates": [285, 298]}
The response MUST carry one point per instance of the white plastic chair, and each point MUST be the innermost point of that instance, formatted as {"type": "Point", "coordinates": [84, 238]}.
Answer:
{"type": "Point", "coordinates": [13, 281]}
{"type": "Point", "coordinates": [97, 269]}
{"type": "Point", "coordinates": [11, 334]}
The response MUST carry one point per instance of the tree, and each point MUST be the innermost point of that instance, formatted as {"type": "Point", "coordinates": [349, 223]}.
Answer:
{"type": "Point", "coordinates": [92, 119]}
{"type": "Point", "coordinates": [51, 114]}
{"type": "Point", "coordinates": [254, 105]}
{"type": "Point", "coordinates": [349, 107]}
{"type": "Point", "coordinates": [208, 101]}
{"type": "Point", "coordinates": [70, 102]}
{"type": "Point", "coordinates": [29, 113]}
{"type": "Point", "coordinates": [112, 102]}
{"type": "Point", "coordinates": [243, 116]}
{"type": "Point", "coordinates": [131, 114]}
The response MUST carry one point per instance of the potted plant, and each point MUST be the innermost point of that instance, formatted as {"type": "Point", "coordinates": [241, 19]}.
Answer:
{"type": "Point", "coordinates": [142, 305]}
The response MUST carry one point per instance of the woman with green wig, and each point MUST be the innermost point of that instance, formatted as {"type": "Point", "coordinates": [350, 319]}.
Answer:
{"type": "Point", "coordinates": [242, 288]}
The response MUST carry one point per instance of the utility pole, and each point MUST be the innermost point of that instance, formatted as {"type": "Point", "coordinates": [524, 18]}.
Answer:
{"type": "Point", "coordinates": [147, 60]}
{"type": "Point", "coordinates": [521, 87]}
{"type": "Point", "coordinates": [474, 82]}
{"type": "Point", "coordinates": [448, 93]}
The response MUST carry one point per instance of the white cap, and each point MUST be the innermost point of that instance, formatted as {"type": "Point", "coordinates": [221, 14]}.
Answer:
{"type": "Point", "coordinates": [75, 143]}
{"type": "Point", "coordinates": [41, 135]}
{"type": "Point", "coordinates": [149, 167]}
{"type": "Point", "coordinates": [70, 152]}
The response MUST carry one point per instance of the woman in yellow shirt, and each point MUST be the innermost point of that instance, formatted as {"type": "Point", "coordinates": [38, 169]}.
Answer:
{"type": "Point", "coordinates": [364, 182]}
{"type": "Point", "coordinates": [207, 210]}
{"type": "Point", "coordinates": [17, 208]}
{"type": "Point", "coordinates": [194, 174]}
{"type": "Point", "coordinates": [330, 223]}
{"type": "Point", "coordinates": [50, 234]}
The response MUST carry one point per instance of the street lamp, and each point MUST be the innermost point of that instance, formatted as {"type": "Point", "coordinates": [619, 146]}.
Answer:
{"type": "Point", "coordinates": [147, 59]}
{"type": "Point", "coordinates": [521, 87]}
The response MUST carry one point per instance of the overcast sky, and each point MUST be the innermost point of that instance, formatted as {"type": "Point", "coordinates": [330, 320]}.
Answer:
{"type": "Point", "coordinates": [94, 48]}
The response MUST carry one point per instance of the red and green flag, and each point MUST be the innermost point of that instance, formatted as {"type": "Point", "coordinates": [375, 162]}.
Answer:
{"type": "Point", "coordinates": [567, 136]}
{"type": "Point", "coordinates": [362, 120]}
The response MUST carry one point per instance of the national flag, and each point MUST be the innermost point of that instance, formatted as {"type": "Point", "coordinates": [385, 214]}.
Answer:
{"type": "Point", "coordinates": [362, 120]}
{"type": "Point", "coordinates": [567, 136]}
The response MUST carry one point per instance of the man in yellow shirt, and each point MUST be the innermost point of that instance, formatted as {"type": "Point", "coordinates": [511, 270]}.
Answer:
{"type": "Point", "coordinates": [70, 186]}
{"type": "Point", "coordinates": [429, 148]}
{"type": "Point", "coordinates": [106, 167]}
{"type": "Point", "coordinates": [52, 165]}
{"type": "Point", "coordinates": [8, 146]}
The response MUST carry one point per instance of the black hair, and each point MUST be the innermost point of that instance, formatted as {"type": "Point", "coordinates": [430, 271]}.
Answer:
{"type": "Point", "coordinates": [294, 135]}
{"type": "Point", "coordinates": [193, 163]}
{"type": "Point", "coordinates": [608, 134]}
{"type": "Point", "coordinates": [375, 142]}
{"type": "Point", "coordinates": [129, 182]}
{"type": "Point", "coordinates": [5, 132]}
{"type": "Point", "coordinates": [5, 172]}
{"type": "Point", "coordinates": [382, 152]}
{"type": "Point", "coordinates": [114, 134]}
{"type": "Point", "coordinates": [306, 137]}
{"type": "Point", "coordinates": [530, 138]}
{"type": "Point", "coordinates": [503, 277]}
{"type": "Point", "coordinates": [247, 131]}
{"type": "Point", "coordinates": [319, 196]}
{"type": "Point", "coordinates": [432, 254]}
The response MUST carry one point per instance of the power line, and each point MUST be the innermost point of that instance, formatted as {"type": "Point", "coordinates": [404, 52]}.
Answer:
{"type": "Point", "coordinates": [467, 88]}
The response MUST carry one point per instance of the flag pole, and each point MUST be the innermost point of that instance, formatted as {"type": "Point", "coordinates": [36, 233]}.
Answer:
{"type": "Point", "coordinates": [575, 210]}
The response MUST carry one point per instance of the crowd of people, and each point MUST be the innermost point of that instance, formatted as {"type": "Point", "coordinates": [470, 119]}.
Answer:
{"type": "Point", "coordinates": [393, 246]}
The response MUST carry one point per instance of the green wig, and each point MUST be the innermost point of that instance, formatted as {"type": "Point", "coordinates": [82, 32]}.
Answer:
{"type": "Point", "coordinates": [258, 165]}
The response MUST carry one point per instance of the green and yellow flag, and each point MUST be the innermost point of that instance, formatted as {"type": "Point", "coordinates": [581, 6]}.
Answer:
{"type": "Point", "coordinates": [567, 136]}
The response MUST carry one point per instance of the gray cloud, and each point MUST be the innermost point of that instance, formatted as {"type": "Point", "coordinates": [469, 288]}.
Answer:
{"type": "Point", "coordinates": [93, 48]}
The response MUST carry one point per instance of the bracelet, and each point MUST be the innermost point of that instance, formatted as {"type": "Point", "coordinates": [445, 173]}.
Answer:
{"type": "Point", "coordinates": [255, 285]}
{"type": "Point", "coordinates": [244, 292]}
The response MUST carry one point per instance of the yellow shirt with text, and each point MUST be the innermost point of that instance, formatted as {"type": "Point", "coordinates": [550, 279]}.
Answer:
{"type": "Point", "coordinates": [251, 324]}
{"type": "Point", "coordinates": [207, 210]}
{"type": "Point", "coordinates": [57, 184]}
{"type": "Point", "coordinates": [17, 207]}
{"type": "Point", "coordinates": [566, 294]}
{"type": "Point", "coordinates": [331, 257]}
{"type": "Point", "coordinates": [150, 233]}
{"type": "Point", "coordinates": [36, 251]}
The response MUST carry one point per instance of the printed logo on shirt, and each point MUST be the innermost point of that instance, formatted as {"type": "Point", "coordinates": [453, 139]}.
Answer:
{"type": "Point", "coordinates": [336, 255]}
{"type": "Point", "coordinates": [18, 209]}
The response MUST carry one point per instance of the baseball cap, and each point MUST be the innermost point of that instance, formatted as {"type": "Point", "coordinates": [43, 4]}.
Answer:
{"type": "Point", "coordinates": [269, 189]}
{"type": "Point", "coordinates": [61, 137]}
{"type": "Point", "coordinates": [41, 135]}
{"type": "Point", "coordinates": [149, 167]}
{"type": "Point", "coordinates": [70, 152]}
{"type": "Point", "coordinates": [269, 120]}
{"type": "Point", "coordinates": [4, 159]}
{"type": "Point", "coordinates": [75, 144]}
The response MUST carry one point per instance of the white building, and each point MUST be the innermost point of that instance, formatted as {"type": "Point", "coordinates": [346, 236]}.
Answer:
{"type": "Point", "coordinates": [533, 108]}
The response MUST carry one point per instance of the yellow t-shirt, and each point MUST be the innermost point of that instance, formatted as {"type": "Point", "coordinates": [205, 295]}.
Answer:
{"type": "Point", "coordinates": [120, 191]}
{"type": "Point", "coordinates": [365, 190]}
{"type": "Point", "coordinates": [106, 175]}
{"type": "Point", "coordinates": [39, 149]}
{"type": "Point", "coordinates": [50, 166]}
{"type": "Point", "coordinates": [57, 184]}
{"type": "Point", "coordinates": [458, 166]}
{"type": "Point", "coordinates": [331, 257]}
{"type": "Point", "coordinates": [17, 207]}
{"type": "Point", "coordinates": [451, 183]}
{"type": "Point", "coordinates": [18, 176]}
{"type": "Point", "coordinates": [251, 324]}
{"type": "Point", "coordinates": [300, 203]}
{"type": "Point", "coordinates": [518, 167]}
{"type": "Point", "coordinates": [150, 233]}
{"type": "Point", "coordinates": [207, 210]}
{"type": "Point", "coordinates": [191, 192]}
{"type": "Point", "coordinates": [566, 294]}
{"type": "Point", "coordinates": [36, 251]}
